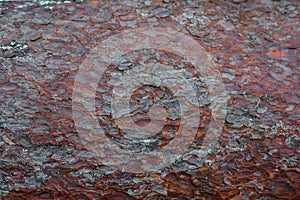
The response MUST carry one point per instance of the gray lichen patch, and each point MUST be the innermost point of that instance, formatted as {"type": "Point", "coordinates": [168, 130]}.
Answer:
{"type": "Point", "coordinates": [13, 49]}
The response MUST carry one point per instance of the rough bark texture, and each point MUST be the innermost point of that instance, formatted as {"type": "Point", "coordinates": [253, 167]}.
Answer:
{"type": "Point", "coordinates": [256, 48]}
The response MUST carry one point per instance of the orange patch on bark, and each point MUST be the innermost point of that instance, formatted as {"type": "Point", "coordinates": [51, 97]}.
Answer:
{"type": "Point", "coordinates": [276, 54]}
